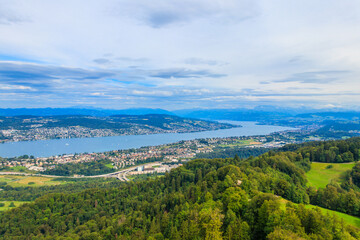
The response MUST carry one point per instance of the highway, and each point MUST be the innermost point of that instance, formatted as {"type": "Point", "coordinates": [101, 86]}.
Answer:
{"type": "Point", "coordinates": [121, 175]}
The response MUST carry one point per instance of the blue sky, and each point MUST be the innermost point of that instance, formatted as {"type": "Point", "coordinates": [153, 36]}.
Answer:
{"type": "Point", "coordinates": [180, 54]}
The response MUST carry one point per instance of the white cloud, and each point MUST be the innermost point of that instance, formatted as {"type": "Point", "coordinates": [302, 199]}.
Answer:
{"type": "Point", "coordinates": [152, 93]}
{"type": "Point", "coordinates": [14, 87]}
{"type": "Point", "coordinates": [179, 48]}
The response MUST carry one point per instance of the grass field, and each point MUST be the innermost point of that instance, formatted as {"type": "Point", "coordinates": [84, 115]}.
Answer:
{"type": "Point", "coordinates": [25, 181]}
{"type": "Point", "coordinates": [241, 143]}
{"type": "Point", "coordinates": [319, 176]}
{"type": "Point", "coordinates": [7, 203]}
{"type": "Point", "coordinates": [141, 177]}
{"type": "Point", "coordinates": [109, 165]}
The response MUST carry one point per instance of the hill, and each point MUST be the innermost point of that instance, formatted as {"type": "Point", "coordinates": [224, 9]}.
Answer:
{"type": "Point", "coordinates": [228, 198]}
{"type": "Point", "coordinates": [79, 111]}
{"type": "Point", "coordinates": [234, 114]}
{"type": "Point", "coordinates": [28, 127]}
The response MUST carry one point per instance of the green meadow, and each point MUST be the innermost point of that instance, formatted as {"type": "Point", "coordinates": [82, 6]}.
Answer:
{"type": "Point", "coordinates": [7, 205]}
{"type": "Point", "coordinates": [27, 181]}
{"type": "Point", "coordinates": [239, 143]}
{"type": "Point", "coordinates": [321, 174]}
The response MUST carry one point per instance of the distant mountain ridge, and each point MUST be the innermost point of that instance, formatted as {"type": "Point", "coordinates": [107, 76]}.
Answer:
{"type": "Point", "coordinates": [348, 115]}
{"type": "Point", "coordinates": [25, 127]}
{"type": "Point", "coordinates": [232, 114]}
{"type": "Point", "coordinates": [261, 113]}
{"type": "Point", "coordinates": [80, 111]}
{"type": "Point", "coordinates": [268, 114]}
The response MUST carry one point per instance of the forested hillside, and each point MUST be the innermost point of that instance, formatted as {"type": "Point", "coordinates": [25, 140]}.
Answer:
{"type": "Point", "coordinates": [19, 128]}
{"type": "Point", "coordinates": [330, 151]}
{"type": "Point", "coordinates": [255, 198]}
{"type": "Point", "coordinates": [241, 152]}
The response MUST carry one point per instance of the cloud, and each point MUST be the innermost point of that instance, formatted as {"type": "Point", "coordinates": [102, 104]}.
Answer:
{"type": "Point", "coordinates": [129, 59]}
{"type": "Point", "coordinates": [96, 94]}
{"type": "Point", "coordinates": [160, 14]}
{"type": "Point", "coordinates": [178, 53]}
{"type": "Point", "coordinates": [295, 59]}
{"type": "Point", "coordinates": [15, 71]}
{"type": "Point", "coordinates": [318, 77]}
{"type": "Point", "coordinates": [161, 19]}
{"type": "Point", "coordinates": [201, 61]}
{"type": "Point", "coordinates": [101, 60]}
{"type": "Point", "coordinates": [14, 87]}
{"type": "Point", "coordinates": [184, 73]}
{"type": "Point", "coordinates": [40, 81]}
{"type": "Point", "coordinates": [111, 59]}
{"type": "Point", "coordinates": [132, 82]}
{"type": "Point", "coordinates": [8, 16]}
{"type": "Point", "coordinates": [23, 75]}
{"type": "Point", "coordinates": [156, 93]}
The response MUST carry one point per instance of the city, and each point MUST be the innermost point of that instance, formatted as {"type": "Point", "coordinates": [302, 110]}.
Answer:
{"type": "Point", "coordinates": [170, 154]}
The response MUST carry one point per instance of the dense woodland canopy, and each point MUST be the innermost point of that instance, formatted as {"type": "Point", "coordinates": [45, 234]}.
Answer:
{"type": "Point", "coordinates": [71, 185]}
{"type": "Point", "coordinates": [162, 121]}
{"type": "Point", "coordinates": [255, 198]}
{"type": "Point", "coordinates": [241, 152]}
{"type": "Point", "coordinates": [329, 151]}
{"type": "Point", "coordinates": [85, 168]}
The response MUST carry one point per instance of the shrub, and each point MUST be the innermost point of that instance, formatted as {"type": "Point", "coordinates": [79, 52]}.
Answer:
{"type": "Point", "coordinates": [329, 166]}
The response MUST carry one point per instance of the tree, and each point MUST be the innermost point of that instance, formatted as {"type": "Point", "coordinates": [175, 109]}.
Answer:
{"type": "Point", "coordinates": [282, 234]}
{"type": "Point", "coordinates": [210, 220]}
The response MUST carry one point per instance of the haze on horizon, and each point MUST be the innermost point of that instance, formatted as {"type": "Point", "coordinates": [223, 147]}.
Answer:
{"type": "Point", "coordinates": [180, 54]}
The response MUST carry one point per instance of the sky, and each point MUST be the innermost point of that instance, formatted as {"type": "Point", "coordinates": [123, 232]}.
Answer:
{"type": "Point", "coordinates": [174, 54]}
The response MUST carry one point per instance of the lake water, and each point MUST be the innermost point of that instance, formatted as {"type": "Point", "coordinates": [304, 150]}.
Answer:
{"type": "Point", "coordinates": [47, 148]}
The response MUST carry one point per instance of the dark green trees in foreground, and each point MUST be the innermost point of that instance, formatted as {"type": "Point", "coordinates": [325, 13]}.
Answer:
{"type": "Point", "coordinates": [205, 199]}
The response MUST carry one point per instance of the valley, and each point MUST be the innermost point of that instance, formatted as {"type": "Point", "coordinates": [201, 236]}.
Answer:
{"type": "Point", "coordinates": [266, 195]}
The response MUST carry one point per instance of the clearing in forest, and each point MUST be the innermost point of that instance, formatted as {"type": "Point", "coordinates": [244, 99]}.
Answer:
{"type": "Point", "coordinates": [321, 174]}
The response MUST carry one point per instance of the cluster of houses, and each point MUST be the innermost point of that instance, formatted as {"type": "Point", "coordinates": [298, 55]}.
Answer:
{"type": "Point", "coordinates": [173, 154]}
{"type": "Point", "coordinates": [154, 169]}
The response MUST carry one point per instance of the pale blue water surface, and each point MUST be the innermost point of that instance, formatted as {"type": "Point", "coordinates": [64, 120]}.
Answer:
{"type": "Point", "coordinates": [47, 148]}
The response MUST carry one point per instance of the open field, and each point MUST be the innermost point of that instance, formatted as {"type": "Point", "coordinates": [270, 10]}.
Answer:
{"type": "Point", "coordinates": [319, 175]}
{"type": "Point", "coordinates": [239, 143]}
{"type": "Point", "coordinates": [109, 165]}
{"type": "Point", "coordinates": [7, 203]}
{"type": "Point", "coordinates": [141, 177]}
{"type": "Point", "coordinates": [25, 181]}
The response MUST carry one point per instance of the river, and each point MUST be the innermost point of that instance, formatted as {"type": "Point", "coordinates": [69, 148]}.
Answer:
{"type": "Point", "coordinates": [52, 147]}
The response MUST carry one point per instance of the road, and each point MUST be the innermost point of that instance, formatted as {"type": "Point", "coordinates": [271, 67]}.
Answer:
{"type": "Point", "coordinates": [121, 175]}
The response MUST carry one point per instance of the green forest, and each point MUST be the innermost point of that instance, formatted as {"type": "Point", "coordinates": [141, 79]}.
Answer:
{"type": "Point", "coordinates": [97, 167]}
{"type": "Point", "coordinates": [263, 197]}
{"type": "Point", "coordinates": [162, 121]}
{"type": "Point", "coordinates": [242, 152]}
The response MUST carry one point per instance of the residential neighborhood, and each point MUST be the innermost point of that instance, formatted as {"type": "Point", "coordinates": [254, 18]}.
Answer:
{"type": "Point", "coordinates": [171, 154]}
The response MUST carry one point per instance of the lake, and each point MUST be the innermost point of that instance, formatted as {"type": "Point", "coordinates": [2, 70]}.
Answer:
{"type": "Point", "coordinates": [47, 148]}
